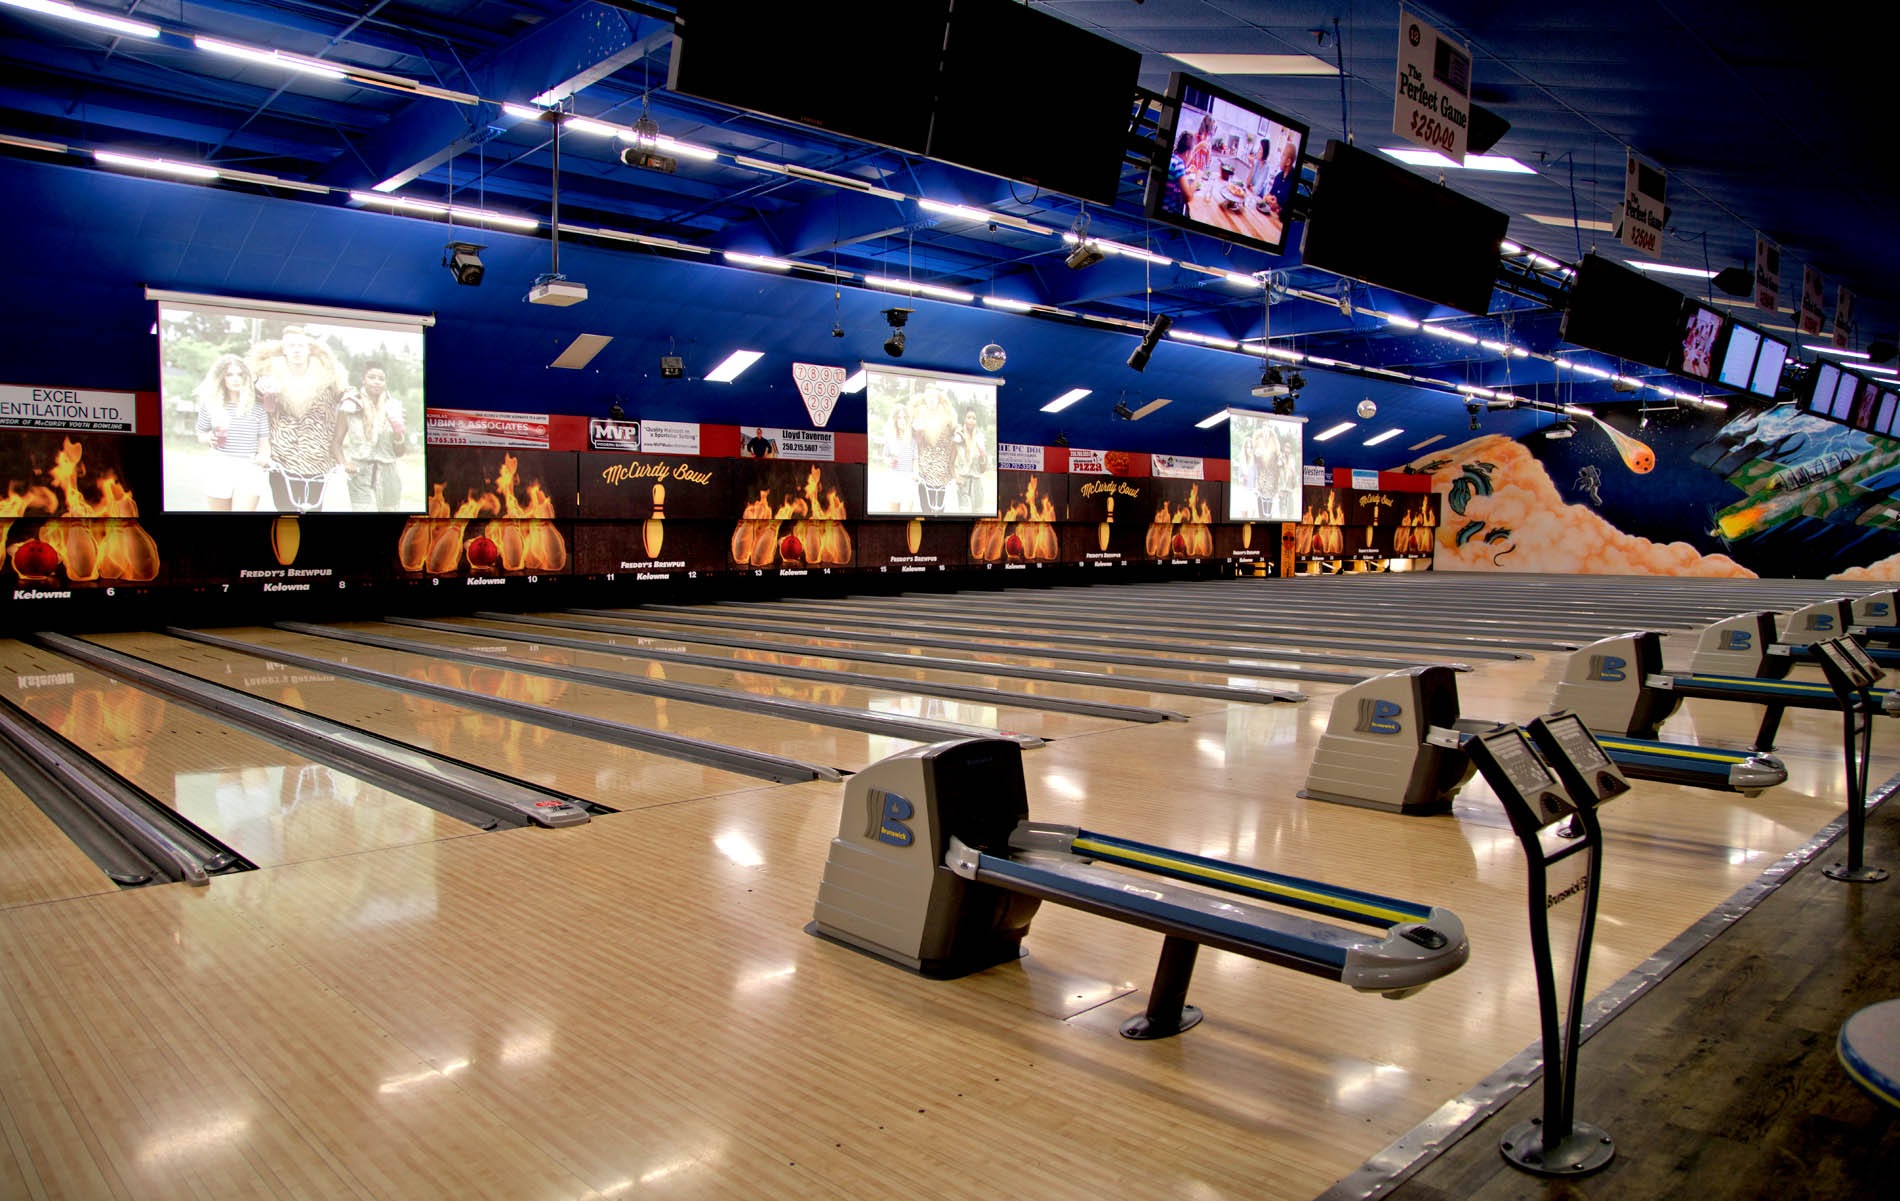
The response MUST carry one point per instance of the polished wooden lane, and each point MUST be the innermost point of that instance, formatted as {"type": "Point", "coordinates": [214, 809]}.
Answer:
{"type": "Point", "coordinates": [38, 862]}
{"type": "Point", "coordinates": [269, 804]}
{"type": "Point", "coordinates": [619, 777]}
{"type": "Point", "coordinates": [744, 681]}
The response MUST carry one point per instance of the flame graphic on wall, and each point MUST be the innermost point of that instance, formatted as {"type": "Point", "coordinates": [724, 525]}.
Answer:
{"type": "Point", "coordinates": [1185, 531]}
{"type": "Point", "coordinates": [1331, 514]}
{"type": "Point", "coordinates": [1414, 533]}
{"type": "Point", "coordinates": [1034, 536]}
{"type": "Point", "coordinates": [89, 537]}
{"type": "Point", "coordinates": [513, 535]}
{"type": "Point", "coordinates": [817, 537]}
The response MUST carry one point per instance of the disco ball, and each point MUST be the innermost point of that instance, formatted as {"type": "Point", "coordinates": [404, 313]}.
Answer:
{"type": "Point", "coordinates": [992, 357]}
{"type": "Point", "coordinates": [1367, 409]}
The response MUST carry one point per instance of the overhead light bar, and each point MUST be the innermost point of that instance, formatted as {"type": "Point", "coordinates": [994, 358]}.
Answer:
{"type": "Point", "coordinates": [1510, 247]}
{"type": "Point", "coordinates": [1385, 437]}
{"type": "Point", "coordinates": [1455, 335]}
{"type": "Point", "coordinates": [1836, 350]}
{"type": "Point", "coordinates": [1671, 269]}
{"type": "Point", "coordinates": [1873, 367]}
{"type": "Point", "coordinates": [1401, 322]}
{"type": "Point", "coordinates": [734, 363]}
{"type": "Point", "coordinates": [522, 112]}
{"type": "Point", "coordinates": [1335, 431]}
{"type": "Point", "coordinates": [1602, 227]}
{"type": "Point", "coordinates": [1473, 162]}
{"type": "Point", "coordinates": [1065, 400]}
{"type": "Point", "coordinates": [85, 16]}
{"type": "Point", "coordinates": [588, 125]}
{"type": "Point", "coordinates": [163, 165]}
{"type": "Point", "coordinates": [905, 285]}
{"type": "Point", "coordinates": [1575, 411]}
{"type": "Point", "coordinates": [1008, 305]}
{"type": "Point", "coordinates": [964, 212]}
{"type": "Point", "coordinates": [759, 260]}
{"type": "Point", "coordinates": [430, 209]}
{"type": "Point", "coordinates": [1211, 420]}
{"type": "Point", "coordinates": [1257, 64]}
{"type": "Point", "coordinates": [1203, 339]}
{"type": "Point", "coordinates": [1123, 249]}
{"type": "Point", "coordinates": [1291, 356]}
{"type": "Point", "coordinates": [270, 58]}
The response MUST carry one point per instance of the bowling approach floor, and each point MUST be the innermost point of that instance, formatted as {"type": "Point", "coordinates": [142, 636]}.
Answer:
{"type": "Point", "coordinates": [397, 1006]}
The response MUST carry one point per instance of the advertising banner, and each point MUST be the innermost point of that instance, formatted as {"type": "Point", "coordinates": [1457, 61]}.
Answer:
{"type": "Point", "coordinates": [41, 407]}
{"type": "Point", "coordinates": [1813, 313]}
{"type": "Point", "coordinates": [1843, 318]}
{"type": "Point", "coordinates": [1016, 456]}
{"type": "Point", "coordinates": [914, 547]}
{"type": "Point", "coordinates": [1178, 467]}
{"type": "Point", "coordinates": [279, 555]}
{"type": "Point", "coordinates": [470, 427]}
{"type": "Point", "coordinates": [606, 434]}
{"type": "Point", "coordinates": [762, 442]}
{"type": "Point", "coordinates": [1767, 274]}
{"type": "Point", "coordinates": [654, 549]}
{"type": "Point", "coordinates": [669, 437]}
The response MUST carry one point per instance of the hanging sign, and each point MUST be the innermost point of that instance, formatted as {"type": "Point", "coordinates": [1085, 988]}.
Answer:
{"type": "Point", "coordinates": [1767, 274]}
{"type": "Point", "coordinates": [1645, 189]}
{"type": "Point", "coordinates": [1813, 316]}
{"type": "Point", "coordinates": [1843, 318]}
{"type": "Point", "coordinates": [1432, 103]}
{"type": "Point", "coordinates": [1178, 467]}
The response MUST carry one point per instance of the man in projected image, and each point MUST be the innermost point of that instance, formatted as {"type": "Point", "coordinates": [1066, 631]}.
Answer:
{"type": "Point", "coordinates": [301, 385]}
{"type": "Point", "coordinates": [1273, 199]}
{"type": "Point", "coordinates": [374, 438]}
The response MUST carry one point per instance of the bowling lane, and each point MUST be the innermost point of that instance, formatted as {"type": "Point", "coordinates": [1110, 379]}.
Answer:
{"type": "Point", "coordinates": [869, 698]}
{"type": "Point", "coordinates": [270, 805]}
{"type": "Point", "coordinates": [37, 861]}
{"type": "Point", "coordinates": [682, 638]}
{"type": "Point", "coordinates": [448, 728]}
{"type": "Point", "coordinates": [1003, 652]}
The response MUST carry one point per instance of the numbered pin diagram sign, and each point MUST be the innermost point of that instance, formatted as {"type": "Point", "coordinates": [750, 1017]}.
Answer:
{"type": "Point", "coordinates": [1767, 274]}
{"type": "Point", "coordinates": [1432, 103]}
{"type": "Point", "coordinates": [1813, 313]}
{"type": "Point", "coordinates": [1646, 186]}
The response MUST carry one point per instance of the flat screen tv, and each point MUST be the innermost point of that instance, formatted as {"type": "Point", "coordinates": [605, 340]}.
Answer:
{"type": "Point", "coordinates": [1623, 313]}
{"type": "Point", "coordinates": [1821, 384]}
{"type": "Point", "coordinates": [1700, 334]}
{"type": "Point", "coordinates": [291, 410]}
{"type": "Point", "coordinates": [1769, 362]}
{"type": "Point", "coordinates": [1866, 401]}
{"type": "Point", "coordinates": [1844, 390]}
{"type": "Point", "coordinates": [1227, 166]}
{"type": "Point", "coordinates": [1883, 419]}
{"type": "Point", "coordinates": [931, 443]}
{"type": "Point", "coordinates": [1022, 94]}
{"type": "Point", "coordinates": [1738, 357]}
{"type": "Point", "coordinates": [1264, 456]}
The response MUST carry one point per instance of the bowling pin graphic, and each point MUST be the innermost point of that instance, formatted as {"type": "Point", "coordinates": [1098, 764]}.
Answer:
{"type": "Point", "coordinates": [286, 536]}
{"type": "Point", "coordinates": [1102, 530]}
{"type": "Point", "coordinates": [654, 532]}
{"type": "Point", "coordinates": [1246, 536]}
{"type": "Point", "coordinates": [914, 534]}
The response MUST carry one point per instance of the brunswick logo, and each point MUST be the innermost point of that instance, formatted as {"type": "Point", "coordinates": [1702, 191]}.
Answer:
{"type": "Point", "coordinates": [887, 815]}
{"type": "Point", "coordinates": [1378, 717]}
{"type": "Point", "coordinates": [1608, 668]}
{"type": "Point", "coordinates": [1736, 640]}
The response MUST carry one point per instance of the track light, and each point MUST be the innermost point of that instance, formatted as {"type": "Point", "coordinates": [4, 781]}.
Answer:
{"type": "Point", "coordinates": [1123, 411]}
{"type": "Point", "coordinates": [1157, 331]}
{"type": "Point", "coordinates": [1296, 381]}
{"type": "Point", "coordinates": [894, 345]}
{"type": "Point", "coordinates": [1085, 254]}
{"type": "Point", "coordinates": [1474, 410]}
{"type": "Point", "coordinates": [464, 261]}
{"type": "Point", "coordinates": [1560, 429]}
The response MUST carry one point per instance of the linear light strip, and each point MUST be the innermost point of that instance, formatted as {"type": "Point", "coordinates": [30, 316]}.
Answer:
{"type": "Point", "coordinates": [86, 16]}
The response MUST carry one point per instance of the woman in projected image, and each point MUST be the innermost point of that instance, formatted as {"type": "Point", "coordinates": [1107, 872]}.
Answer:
{"type": "Point", "coordinates": [1181, 178]}
{"type": "Point", "coordinates": [935, 423]}
{"type": "Point", "coordinates": [373, 442]}
{"type": "Point", "coordinates": [898, 449]}
{"type": "Point", "coordinates": [973, 463]}
{"type": "Point", "coordinates": [301, 385]}
{"type": "Point", "coordinates": [1264, 450]}
{"type": "Point", "coordinates": [237, 429]}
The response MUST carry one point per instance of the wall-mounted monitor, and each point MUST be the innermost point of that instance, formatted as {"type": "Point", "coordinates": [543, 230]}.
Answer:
{"type": "Point", "coordinates": [931, 443]}
{"type": "Point", "coordinates": [1623, 313]}
{"type": "Point", "coordinates": [1228, 167]}
{"type": "Point", "coordinates": [1844, 390]}
{"type": "Point", "coordinates": [1883, 417]}
{"type": "Point", "coordinates": [1866, 404]}
{"type": "Point", "coordinates": [1701, 332]}
{"type": "Point", "coordinates": [1265, 465]}
{"type": "Point", "coordinates": [278, 408]}
{"type": "Point", "coordinates": [1770, 360]}
{"type": "Point", "coordinates": [1821, 384]}
{"type": "Point", "coordinates": [1372, 220]}
{"type": "Point", "coordinates": [1738, 357]}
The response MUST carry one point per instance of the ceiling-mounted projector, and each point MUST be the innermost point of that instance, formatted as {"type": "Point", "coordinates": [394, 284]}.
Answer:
{"type": "Point", "coordinates": [558, 292]}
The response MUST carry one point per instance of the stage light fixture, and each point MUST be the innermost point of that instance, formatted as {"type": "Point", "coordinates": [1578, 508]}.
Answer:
{"type": "Point", "coordinates": [1156, 331]}
{"type": "Point", "coordinates": [894, 345]}
{"type": "Point", "coordinates": [1123, 411]}
{"type": "Point", "coordinates": [616, 411]}
{"type": "Point", "coordinates": [1283, 405]}
{"type": "Point", "coordinates": [1473, 410]}
{"type": "Point", "coordinates": [464, 261]}
{"type": "Point", "coordinates": [1085, 254]}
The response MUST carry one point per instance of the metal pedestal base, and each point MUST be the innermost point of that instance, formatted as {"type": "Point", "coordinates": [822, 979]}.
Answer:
{"type": "Point", "coordinates": [1143, 1026]}
{"type": "Point", "coordinates": [1586, 1150]}
{"type": "Point", "coordinates": [1854, 875]}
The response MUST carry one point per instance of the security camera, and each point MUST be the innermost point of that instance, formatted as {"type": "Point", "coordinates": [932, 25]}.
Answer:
{"type": "Point", "coordinates": [464, 261]}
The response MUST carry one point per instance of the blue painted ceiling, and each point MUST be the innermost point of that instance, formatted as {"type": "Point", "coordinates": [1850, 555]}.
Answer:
{"type": "Point", "coordinates": [1758, 125]}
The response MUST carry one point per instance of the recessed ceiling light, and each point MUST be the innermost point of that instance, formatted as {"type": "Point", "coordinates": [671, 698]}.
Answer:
{"type": "Point", "coordinates": [1334, 432]}
{"type": "Point", "coordinates": [855, 383]}
{"type": "Point", "coordinates": [1211, 420]}
{"type": "Point", "coordinates": [1426, 442]}
{"type": "Point", "coordinates": [734, 363]}
{"type": "Point", "coordinates": [1065, 400]}
{"type": "Point", "coordinates": [1385, 437]}
{"type": "Point", "coordinates": [1473, 162]}
{"type": "Point", "coordinates": [1257, 64]}
{"type": "Point", "coordinates": [1602, 227]}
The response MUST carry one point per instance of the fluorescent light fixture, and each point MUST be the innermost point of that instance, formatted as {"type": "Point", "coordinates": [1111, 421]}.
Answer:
{"type": "Point", "coordinates": [1319, 362]}
{"type": "Point", "coordinates": [1881, 370]}
{"type": "Point", "coordinates": [1706, 403]}
{"type": "Point", "coordinates": [1211, 420]}
{"type": "Point", "coordinates": [734, 363]}
{"type": "Point", "coordinates": [1500, 347]}
{"type": "Point", "coordinates": [962, 211]}
{"type": "Point", "coordinates": [1510, 247]}
{"type": "Point", "coordinates": [430, 209]}
{"type": "Point", "coordinates": [1245, 281]}
{"type": "Point", "coordinates": [1006, 304]}
{"type": "Point", "coordinates": [1335, 431]}
{"type": "Point", "coordinates": [758, 260]}
{"type": "Point", "coordinates": [1602, 227]}
{"type": "Point", "coordinates": [1836, 350]}
{"type": "Point", "coordinates": [600, 129]}
{"type": "Point", "coordinates": [1786, 329]}
{"type": "Point", "coordinates": [1473, 162]}
{"type": "Point", "coordinates": [1426, 442]}
{"type": "Point", "coordinates": [522, 112]}
{"type": "Point", "coordinates": [270, 58]}
{"type": "Point", "coordinates": [1439, 331]}
{"type": "Point", "coordinates": [1671, 269]}
{"type": "Point", "coordinates": [1203, 339]}
{"type": "Point", "coordinates": [1123, 249]}
{"type": "Point", "coordinates": [85, 16]}
{"type": "Point", "coordinates": [1576, 411]}
{"type": "Point", "coordinates": [1592, 372]}
{"type": "Point", "coordinates": [855, 383]}
{"type": "Point", "coordinates": [1624, 379]}
{"type": "Point", "coordinates": [946, 293]}
{"type": "Point", "coordinates": [1385, 437]}
{"type": "Point", "coordinates": [581, 351]}
{"type": "Point", "coordinates": [1401, 322]}
{"type": "Point", "coordinates": [1257, 64]}
{"type": "Point", "coordinates": [163, 165]}
{"type": "Point", "coordinates": [904, 285]}
{"type": "Point", "coordinates": [1065, 400]}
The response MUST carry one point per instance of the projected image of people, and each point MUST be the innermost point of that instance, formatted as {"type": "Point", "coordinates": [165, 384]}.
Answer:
{"type": "Point", "coordinates": [932, 443]}
{"type": "Point", "coordinates": [1265, 456]}
{"type": "Point", "coordinates": [288, 415]}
